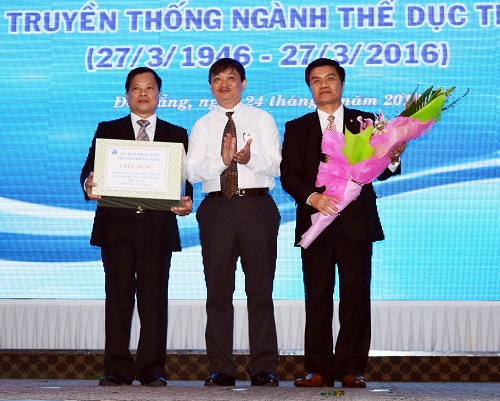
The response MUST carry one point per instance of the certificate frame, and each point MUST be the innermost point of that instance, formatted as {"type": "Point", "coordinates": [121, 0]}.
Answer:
{"type": "Point", "coordinates": [140, 175]}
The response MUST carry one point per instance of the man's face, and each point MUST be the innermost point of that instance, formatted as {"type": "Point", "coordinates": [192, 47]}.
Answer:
{"type": "Point", "coordinates": [227, 88]}
{"type": "Point", "coordinates": [143, 95]}
{"type": "Point", "coordinates": [326, 87]}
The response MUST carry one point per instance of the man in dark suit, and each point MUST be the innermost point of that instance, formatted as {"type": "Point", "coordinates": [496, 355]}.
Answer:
{"type": "Point", "coordinates": [347, 242]}
{"type": "Point", "coordinates": [136, 246]}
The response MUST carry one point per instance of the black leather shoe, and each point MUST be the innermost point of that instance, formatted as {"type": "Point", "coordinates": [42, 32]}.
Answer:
{"type": "Point", "coordinates": [220, 379]}
{"type": "Point", "coordinates": [112, 381]}
{"type": "Point", "coordinates": [155, 381]}
{"type": "Point", "coordinates": [264, 379]}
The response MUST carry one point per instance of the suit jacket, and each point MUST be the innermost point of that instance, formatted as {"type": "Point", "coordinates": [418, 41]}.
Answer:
{"type": "Point", "coordinates": [299, 167]}
{"type": "Point", "coordinates": [113, 226]}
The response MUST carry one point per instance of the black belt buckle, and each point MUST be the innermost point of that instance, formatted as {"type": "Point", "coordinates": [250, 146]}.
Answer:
{"type": "Point", "coordinates": [140, 210]}
{"type": "Point", "coordinates": [242, 192]}
{"type": "Point", "coordinates": [251, 191]}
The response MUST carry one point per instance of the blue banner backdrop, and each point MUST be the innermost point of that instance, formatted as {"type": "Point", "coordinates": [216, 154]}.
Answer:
{"type": "Point", "coordinates": [63, 70]}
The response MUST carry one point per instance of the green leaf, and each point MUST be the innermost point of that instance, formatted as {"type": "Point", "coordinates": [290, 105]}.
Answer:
{"type": "Point", "coordinates": [357, 147]}
{"type": "Point", "coordinates": [431, 110]}
{"type": "Point", "coordinates": [429, 105]}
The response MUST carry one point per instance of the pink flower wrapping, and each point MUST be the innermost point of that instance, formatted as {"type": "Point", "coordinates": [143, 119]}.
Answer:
{"type": "Point", "coordinates": [363, 157]}
{"type": "Point", "coordinates": [399, 129]}
{"type": "Point", "coordinates": [350, 192]}
{"type": "Point", "coordinates": [344, 180]}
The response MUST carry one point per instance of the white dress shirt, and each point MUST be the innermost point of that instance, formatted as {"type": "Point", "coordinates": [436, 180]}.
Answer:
{"type": "Point", "coordinates": [204, 160]}
{"type": "Point", "coordinates": [339, 118]}
{"type": "Point", "coordinates": [150, 129]}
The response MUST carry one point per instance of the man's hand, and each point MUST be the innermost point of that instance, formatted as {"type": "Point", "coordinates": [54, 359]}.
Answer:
{"type": "Point", "coordinates": [396, 152]}
{"type": "Point", "coordinates": [324, 203]}
{"type": "Point", "coordinates": [185, 208]}
{"type": "Point", "coordinates": [89, 184]}
{"type": "Point", "coordinates": [243, 156]}
{"type": "Point", "coordinates": [228, 149]}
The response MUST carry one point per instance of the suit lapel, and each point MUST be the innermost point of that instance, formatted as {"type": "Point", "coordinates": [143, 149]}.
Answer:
{"type": "Point", "coordinates": [125, 129]}
{"type": "Point", "coordinates": [161, 133]}
{"type": "Point", "coordinates": [314, 128]}
{"type": "Point", "coordinates": [315, 136]}
{"type": "Point", "coordinates": [350, 121]}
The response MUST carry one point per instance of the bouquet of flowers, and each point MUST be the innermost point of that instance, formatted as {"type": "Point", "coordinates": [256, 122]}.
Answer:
{"type": "Point", "coordinates": [355, 160]}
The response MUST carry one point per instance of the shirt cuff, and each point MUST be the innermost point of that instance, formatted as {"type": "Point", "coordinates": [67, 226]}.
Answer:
{"type": "Point", "coordinates": [394, 167]}
{"type": "Point", "coordinates": [307, 200]}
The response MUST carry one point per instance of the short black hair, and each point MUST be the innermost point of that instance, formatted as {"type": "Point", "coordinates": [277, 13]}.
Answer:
{"type": "Point", "coordinates": [141, 70]}
{"type": "Point", "coordinates": [322, 62]}
{"type": "Point", "coordinates": [224, 64]}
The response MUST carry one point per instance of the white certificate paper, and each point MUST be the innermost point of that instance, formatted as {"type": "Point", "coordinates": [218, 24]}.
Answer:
{"type": "Point", "coordinates": [132, 168]}
{"type": "Point", "coordinates": [139, 174]}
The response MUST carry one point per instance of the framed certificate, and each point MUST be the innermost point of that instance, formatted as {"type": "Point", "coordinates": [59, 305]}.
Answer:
{"type": "Point", "coordinates": [139, 174]}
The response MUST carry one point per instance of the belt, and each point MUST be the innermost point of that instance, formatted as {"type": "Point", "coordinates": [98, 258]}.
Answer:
{"type": "Point", "coordinates": [140, 210]}
{"type": "Point", "coordinates": [242, 192]}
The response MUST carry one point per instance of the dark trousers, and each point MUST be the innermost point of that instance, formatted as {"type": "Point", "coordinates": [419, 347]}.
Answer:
{"type": "Point", "coordinates": [136, 267]}
{"type": "Point", "coordinates": [353, 260]}
{"type": "Point", "coordinates": [245, 227]}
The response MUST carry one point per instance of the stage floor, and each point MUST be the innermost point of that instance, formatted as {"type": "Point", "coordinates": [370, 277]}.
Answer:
{"type": "Point", "coordinates": [64, 390]}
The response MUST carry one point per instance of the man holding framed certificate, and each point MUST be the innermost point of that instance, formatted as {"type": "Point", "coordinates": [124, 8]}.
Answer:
{"type": "Point", "coordinates": [136, 245]}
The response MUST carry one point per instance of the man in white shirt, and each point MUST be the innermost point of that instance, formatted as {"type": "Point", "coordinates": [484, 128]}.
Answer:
{"type": "Point", "coordinates": [237, 222]}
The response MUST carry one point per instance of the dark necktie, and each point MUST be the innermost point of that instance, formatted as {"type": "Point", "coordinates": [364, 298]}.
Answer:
{"type": "Point", "coordinates": [143, 135]}
{"type": "Point", "coordinates": [229, 177]}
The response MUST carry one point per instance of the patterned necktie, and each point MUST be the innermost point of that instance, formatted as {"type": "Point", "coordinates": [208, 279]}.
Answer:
{"type": "Point", "coordinates": [331, 127]}
{"type": "Point", "coordinates": [331, 124]}
{"type": "Point", "coordinates": [229, 177]}
{"type": "Point", "coordinates": [143, 135]}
